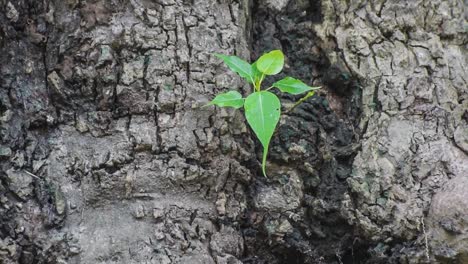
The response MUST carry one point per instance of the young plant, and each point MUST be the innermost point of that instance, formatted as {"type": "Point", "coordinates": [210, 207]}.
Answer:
{"type": "Point", "coordinates": [262, 108]}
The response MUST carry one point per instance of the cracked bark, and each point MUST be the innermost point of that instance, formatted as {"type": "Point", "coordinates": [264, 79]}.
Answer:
{"type": "Point", "coordinates": [106, 157]}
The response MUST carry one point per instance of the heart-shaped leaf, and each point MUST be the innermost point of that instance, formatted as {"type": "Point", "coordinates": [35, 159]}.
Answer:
{"type": "Point", "coordinates": [229, 99]}
{"type": "Point", "coordinates": [239, 66]}
{"type": "Point", "coordinates": [293, 86]}
{"type": "Point", "coordinates": [271, 63]}
{"type": "Point", "coordinates": [263, 110]}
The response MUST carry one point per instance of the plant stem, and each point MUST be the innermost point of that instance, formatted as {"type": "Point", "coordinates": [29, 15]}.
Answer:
{"type": "Point", "coordinates": [301, 101]}
{"type": "Point", "coordinates": [260, 82]}
{"type": "Point", "coordinates": [296, 104]}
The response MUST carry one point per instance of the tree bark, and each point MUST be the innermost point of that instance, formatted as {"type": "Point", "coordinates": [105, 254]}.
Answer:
{"type": "Point", "coordinates": [107, 157]}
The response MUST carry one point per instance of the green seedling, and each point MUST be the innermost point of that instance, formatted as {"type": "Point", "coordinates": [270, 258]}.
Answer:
{"type": "Point", "coordinates": [262, 108]}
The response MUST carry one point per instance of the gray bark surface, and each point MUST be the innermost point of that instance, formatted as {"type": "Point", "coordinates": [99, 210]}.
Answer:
{"type": "Point", "coordinates": [107, 157]}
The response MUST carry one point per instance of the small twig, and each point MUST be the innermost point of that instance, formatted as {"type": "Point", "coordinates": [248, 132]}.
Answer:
{"type": "Point", "coordinates": [32, 175]}
{"type": "Point", "coordinates": [296, 104]}
{"type": "Point", "coordinates": [309, 94]}
{"type": "Point", "coordinates": [425, 238]}
{"type": "Point", "coordinates": [352, 248]}
{"type": "Point", "coordinates": [337, 254]}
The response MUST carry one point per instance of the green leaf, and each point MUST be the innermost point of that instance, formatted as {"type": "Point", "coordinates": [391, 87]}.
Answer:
{"type": "Point", "coordinates": [229, 99]}
{"type": "Point", "coordinates": [239, 66]}
{"type": "Point", "coordinates": [263, 110]}
{"type": "Point", "coordinates": [293, 86]}
{"type": "Point", "coordinates": [271, 63]}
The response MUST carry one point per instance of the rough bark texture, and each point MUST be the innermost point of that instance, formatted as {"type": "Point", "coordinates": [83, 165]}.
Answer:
{"type": "Point", "coordinates": [106, 156]}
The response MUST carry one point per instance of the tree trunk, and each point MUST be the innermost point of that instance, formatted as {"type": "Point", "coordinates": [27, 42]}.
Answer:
{"type": "Point", "coordinates": [107, 157]}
